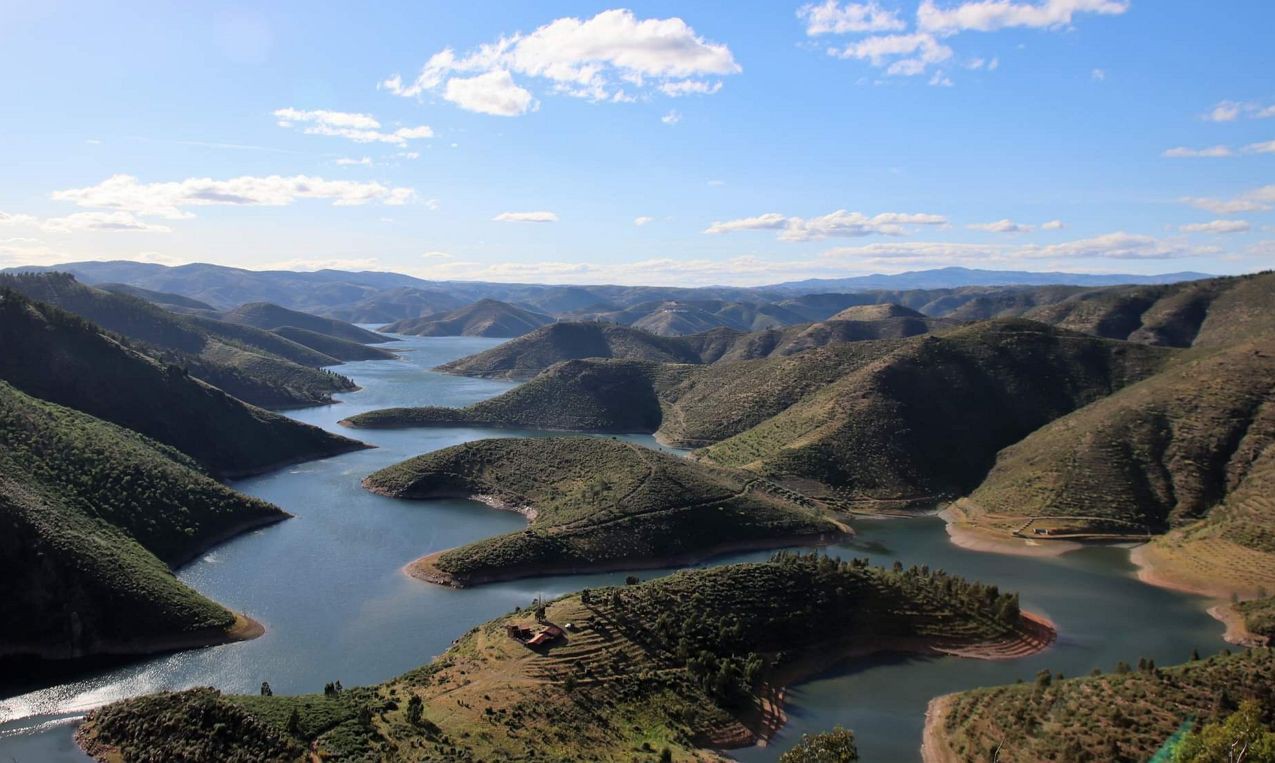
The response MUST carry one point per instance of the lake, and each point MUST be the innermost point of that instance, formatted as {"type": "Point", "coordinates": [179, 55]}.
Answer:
{"type": "Point", "coordinates": [329, 588]}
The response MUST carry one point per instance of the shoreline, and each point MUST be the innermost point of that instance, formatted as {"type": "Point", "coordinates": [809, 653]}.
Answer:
{"type": "Point", "coordinates": [934, 747]}
{"type": "Point", "coordinates": [965, 535]}
{"type": "Point", "coordinates": [243, 628]}
{"type": "Point", "coordinates": [241, 474]}
{"type": "Point", "coordinates": [1237, 631]}
{"type": "Point", "coordinates": [424, 568]}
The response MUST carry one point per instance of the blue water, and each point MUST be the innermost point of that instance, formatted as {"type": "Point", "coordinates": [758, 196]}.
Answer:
{"type": "Point", "coordinates": [329, 587]}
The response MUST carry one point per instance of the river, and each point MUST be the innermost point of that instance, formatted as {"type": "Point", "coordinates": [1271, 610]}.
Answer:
{"type": "Point", "coordinates": [329, 588]}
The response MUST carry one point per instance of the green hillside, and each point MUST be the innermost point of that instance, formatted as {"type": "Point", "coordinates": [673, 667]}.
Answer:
{"type": "Point", "coordinates": [689, 663]}
{"type": "Point", "coordinates": [1123, 716]}
{"type": "Point", "coordinates": [264, 315]}
{"type": "Point", "coordinates": [165, 300]}
{"type": "Point", "coordinates": [94, 516]}
{"type": "Point", "coordinates": [890, 430]}
{"type": "Point", "coordinates": [62, 358]}
{"type": "Point", "coordinates": [249, 363]}
{"type": "Point", "coordinates": [486, 317]}
{"type": "Point", "coordinates": [595, 504]}
{"type": "Point", "coordinates": [341, 349]}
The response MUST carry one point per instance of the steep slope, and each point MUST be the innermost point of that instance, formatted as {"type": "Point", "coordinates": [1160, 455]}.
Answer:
{"type": "Point", "coordinates": [528, 355]}
{"type": "Point", "coordinates": [341, 349]}
{"type": "Point", "coordinates": [64, 359]}
{"type": "Point", "coordinates": [690, 663]}
{"type": "Point", "coordinates": [264, 315]}
{"type": "Point", "coordinates": [175, 302]}
{"type": "Point", "coordinates": [597, 504]}
{"type": "Point", "coordinates": [926, 420]}
{"type": "Point", "coordinates": [254, 365]}
{"type": "Point", "coordinates": [93, 513]}
{"type": "Point", "coordinates": [398, 304]}
{"type": "Point", "coordinates": [1124, 716]}
{"type": "Point", "coordinates": [486, 317]}
{"type": "Point", "coordinates": [875, 312]}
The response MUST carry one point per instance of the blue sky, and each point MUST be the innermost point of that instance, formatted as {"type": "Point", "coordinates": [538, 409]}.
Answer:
{"type": "Point", "coordinates": [662, 143]}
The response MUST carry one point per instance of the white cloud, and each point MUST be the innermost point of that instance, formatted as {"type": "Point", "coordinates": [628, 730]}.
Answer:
{"type": "Point", "coordinates": [900, 54]}
{"type": "Point", "coordinates": [1256, 200]}
{"type": "Point", "coordinates": [940, 79]}
{"type": "Point", "coordinates": [360, 128]}
{"type": "Point", "coordinates": [1098, 75]}
{"type": "Point", "coordinates": [991, 15]}
{"type": "Point", "coordinates": [1053, 225]}
{"type": "Point", "coordinates": [438, 256]}
{"type": "Point", "coordinates": [348, 162]}
{"type": "Point", "coordinates": [492, 93]}
{"type": "Point", "coordinates": [839, 223]}
{"type": "Point", "coordinates": [1212, 152]}
{"type": "Point", "coordinates": [1217, 226]}
{"type": "Point", "coordinates": [1001, 226]}
{"type": "Point", "coordinates": [85, 221]}
{"type": "Point", "coordinates": [671, 118]}
{"type": "Point", "coordinates": [643, 220]}
{"type": "Point", "coordinates": [169, 200]}
{"type": "Point", "coordinates": [830, 17]}
{"type": "Point", "coordinates": [1267, 147]}
{"type": "Point", "coordinates": [526, 217]}
{"type": "Point", "coordinates": [596, 58]}
{"type": "Point", "coordinates": [1229, 111]}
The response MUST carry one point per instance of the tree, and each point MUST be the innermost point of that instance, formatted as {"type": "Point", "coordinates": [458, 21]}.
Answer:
{"type": "Point", "coordinates": [666, 755]}
{"type": "Point", "coordinates": [414, 708]}
{"type": "Point", "coordinates": [266, 691]}
{"type": "Point", "coordinates": [294, 723]}
{"type": "Point", "coordinates": [1241, 738]}
{"type": "Point", "coordinates": [836, 746]}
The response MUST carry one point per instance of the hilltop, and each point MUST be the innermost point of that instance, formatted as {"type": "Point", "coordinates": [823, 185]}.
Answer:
{"type": "Point", "coordinates": [597, 504]}
{"type": "Point", "coordinates": [62, 358]}
{"type": "Point", "coordinates": [487, 317]}
{"type": "Point", "coordinates": [95, 516]}
{"type": "Point", "coordinates": [174, 302]}
{"type": "Point", "coordinates": [341, 349]}
{"type": "Point", "coordinates": [692, 662]}
{"type": "Point", "coordinates": [254, 365]}
{"type": "Point", "coordinates": [1126, 715]}
{"type": "Point", "coordinates": [264, 315]}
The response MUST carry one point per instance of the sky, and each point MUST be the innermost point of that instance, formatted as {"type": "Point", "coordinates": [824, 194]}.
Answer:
{"type": "Point", "coordinates": [648, 143]}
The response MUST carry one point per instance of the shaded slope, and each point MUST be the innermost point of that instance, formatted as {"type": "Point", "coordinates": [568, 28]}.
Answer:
{"type": "Point", "coordinates": [486, 317]}
{"type": "Point", "coordinates": [341, 349]}
{"type": "Point", "coordinates": [595, 504]}
{"type": "Point", "coordinates": [64, 359]}
{"type": "Point", "coordinates": [249, 363]}
{"type": "Point", "coordinates": [692, 662]}
{"type": "Point", "coordinates": [264, 315]}
{"type": "Point", "coordinates": [165, 300]}
{"type": "Point", "coordinates": [926, 420]}
{"type": "Point", "coordinates": [93, 514]}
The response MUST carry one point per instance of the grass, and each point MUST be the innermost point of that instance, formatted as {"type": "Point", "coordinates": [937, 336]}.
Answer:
{"type": "Point", "coordinates": [690, 662]}
{"type": "Point", "coordinates": [1259, 616]}
{"type": "Point", "coordinates": [1122, 716]}
{"type": "Point", "coordinates": [598, 503]}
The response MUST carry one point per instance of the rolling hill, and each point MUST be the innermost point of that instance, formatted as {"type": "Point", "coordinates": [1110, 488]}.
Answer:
{"type": "Point", "coordinates": [597, 504]}
{"type": "Point", "coordinates": [690, 663]}
{"type": "Point", "coordinates": [64, 359]}
{"type": "Point", "coordinates": [486, 317]}
{"type": "Point", "coordinates": [252, 364]}
{"type": "Point", "coordinates": [333, 347]}
{"type": "Point", "coordinates": [94, 516]}
{"type": "Point", "coordinates": [264, 315]}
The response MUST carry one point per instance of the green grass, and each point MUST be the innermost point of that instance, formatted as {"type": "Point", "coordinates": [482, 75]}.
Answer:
{"type": "Point", "coordinates": [684, 662]}
{"type": "Point", "coordinates": [1112, 717]}
{"type": "Point", "coordinates": [1259, 616]}
{"type": "Point", "coordinates": [598, 502]}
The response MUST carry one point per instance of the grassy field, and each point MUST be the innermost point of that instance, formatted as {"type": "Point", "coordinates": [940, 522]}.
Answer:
{"type": "Point", "coordinates": [1121, 716]}
{"type": "Point", "coordinates": [687, 663]}
{"type": "Point", "coordinates": [94, 516]}
{"type": "Point", "coordinates": [597, 503]}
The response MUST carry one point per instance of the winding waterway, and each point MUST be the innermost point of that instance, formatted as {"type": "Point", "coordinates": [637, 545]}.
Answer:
{"type": "Point", "coordinates": [329, 588]}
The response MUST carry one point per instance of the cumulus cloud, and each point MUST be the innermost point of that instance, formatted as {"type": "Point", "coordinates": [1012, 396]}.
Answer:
{"type": "Point", "coordinates": [899, 54]}
{"type": "Point", "coordinates": [1256, 200]}
{"type": "Point", "coordinates": [170, 200]}
{"type": "Point", "coordinates": [1229, 111]}
{"type": "Point", "coordinates": [991, 15]}
{"type": "Point", "coordinates": [1212, 152]}
{"type": "Point", "coordinates": [1217, 226]}
{"type": "Point", "coordinates": [360, 128]}
{"type": "Point", "coordinates": [1001, 226]}
{"type": "Point", "coordinates": [643, 220]}
{"type": "Point", "coordinates": [831, 17]}
{"type": "Point", "coordinates": [835, 224]}
{"type": "Point", "coordinates": [1053, 225]}
{"type": "Point", "coordinates": [599, 59]}
{"type": "Point", "coordinates": [526, 217]}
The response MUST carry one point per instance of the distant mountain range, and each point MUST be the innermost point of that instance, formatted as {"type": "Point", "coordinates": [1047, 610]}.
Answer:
{"type": "Point", "coordinates": [946, 278]}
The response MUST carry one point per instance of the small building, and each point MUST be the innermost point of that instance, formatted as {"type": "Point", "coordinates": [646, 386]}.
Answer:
{"type": "Point", "coordinates": [518, 632]}
{"type": "Point", "coordinates": [547, 635]}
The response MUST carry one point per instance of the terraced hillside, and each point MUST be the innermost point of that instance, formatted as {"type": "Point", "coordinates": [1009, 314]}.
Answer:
{"type": "Point", "coordinates": [94, 515]}
{"type": "Point", "coordinates": [596, 504]}
{"type": "Point", "coordinates": [264, 315]}
{"type": "Point", "coordinates": [926, 420]}
{"type": "Point", "coordinates": [1191, 449]}
{"type": "Point", "coordinates": [1123, 716]}
{"type": "Point", "coordinates": [62, 358]}
{"type": "Point", "coordinates": [254, 365]}
{"type": "Point", "coordinates": [691, 663]}
{"type": "Point", "coordinates": [486, 317]}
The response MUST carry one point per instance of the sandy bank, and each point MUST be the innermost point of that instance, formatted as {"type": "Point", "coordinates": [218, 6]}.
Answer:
{"type": "Point", "coordinates": [1237, 631]}
{"type": "Point", "coordinates": [934, 744]}
{"type": "Point", "coordinates": [967, 535]}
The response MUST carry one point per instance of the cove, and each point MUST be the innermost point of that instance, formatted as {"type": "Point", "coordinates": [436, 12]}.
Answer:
{"type": "Point", "coordinates": [329, 588]}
